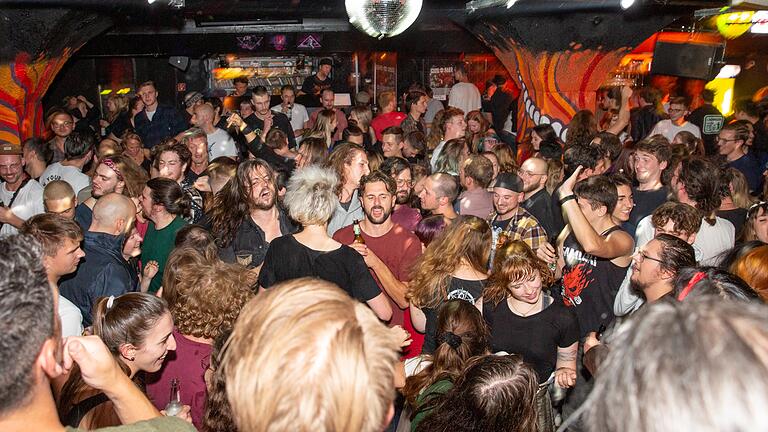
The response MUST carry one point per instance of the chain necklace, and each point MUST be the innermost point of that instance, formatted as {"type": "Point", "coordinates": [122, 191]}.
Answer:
{"type": "Point", "coordinates": [526, 313]}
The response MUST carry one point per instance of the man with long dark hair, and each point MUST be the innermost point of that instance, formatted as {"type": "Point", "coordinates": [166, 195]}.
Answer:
{"type": "Point", "coordinates": [245, 216]}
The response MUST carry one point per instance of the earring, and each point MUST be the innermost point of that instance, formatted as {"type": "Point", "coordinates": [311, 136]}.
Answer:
{"type": "Point", "coordinates": [132, 358]}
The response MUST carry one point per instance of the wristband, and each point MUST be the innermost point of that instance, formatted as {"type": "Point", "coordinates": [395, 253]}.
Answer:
{"type": "Point", "coordinates": [567, 198]}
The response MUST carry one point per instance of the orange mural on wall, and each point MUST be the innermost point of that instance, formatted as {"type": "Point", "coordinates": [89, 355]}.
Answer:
{"type": "Point", "coordinates": [23, 83]}
{"type": "Point", "coordinates": [555, 85]}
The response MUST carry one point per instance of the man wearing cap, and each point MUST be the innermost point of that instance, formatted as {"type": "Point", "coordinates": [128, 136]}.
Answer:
{"type": "Point", "coordinates": [191, 100]}
{"type": "Point", "coordinates": [20, 196]}
{"type": "Point", "coordinates": [327, 98]}
{"type": "Point", "coordinates": [318, 82]}
{"type": "Point", "coordinates": [509, 218]}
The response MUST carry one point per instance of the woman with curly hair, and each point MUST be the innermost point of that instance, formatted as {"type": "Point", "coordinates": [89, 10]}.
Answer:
{"type": "Point", "coordinates": [461, 334]}
{"type": "Point", "coordinates": [218, 413]}
{"type": "Point", "coordinates": [452, 267]}
{"type": "Point", "coordinates": [525, 320]}
{"type": "Point", "coordinates": [205, 299]}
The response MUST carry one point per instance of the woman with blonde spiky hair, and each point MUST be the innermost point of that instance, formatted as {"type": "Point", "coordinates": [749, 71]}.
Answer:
{"type": "Point", "coordinates": [311, 201]}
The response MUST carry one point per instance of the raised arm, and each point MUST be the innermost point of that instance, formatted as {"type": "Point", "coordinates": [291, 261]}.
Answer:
{"type": "Point", "coordinates": [614, 245]}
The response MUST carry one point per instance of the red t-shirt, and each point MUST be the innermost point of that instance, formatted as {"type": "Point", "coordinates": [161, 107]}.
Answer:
{"type": "Point", "coordinates": [398, 250]}
{"type": "Point", "coordinates": [383, 121]}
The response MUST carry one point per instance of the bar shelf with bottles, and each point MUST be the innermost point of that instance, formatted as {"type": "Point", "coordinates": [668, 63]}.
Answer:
{"type": "Point", "coordinates": [270, 72]}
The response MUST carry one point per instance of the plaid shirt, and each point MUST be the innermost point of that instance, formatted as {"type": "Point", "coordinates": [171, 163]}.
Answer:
{"type": "Point", "coordinates": [523, 226]}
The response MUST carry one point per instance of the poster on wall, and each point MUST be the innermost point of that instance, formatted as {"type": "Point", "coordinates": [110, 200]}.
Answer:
{"type": "Point", "coordinates": [441, 81]}
{"type": "Point", "coordinates": [385, 74]}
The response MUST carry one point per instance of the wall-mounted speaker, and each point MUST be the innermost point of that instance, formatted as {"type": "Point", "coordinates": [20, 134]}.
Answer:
{"type": "Point", "coordinates": [181, 63]}
{"type": "Point", "coordinates": [688, 60]}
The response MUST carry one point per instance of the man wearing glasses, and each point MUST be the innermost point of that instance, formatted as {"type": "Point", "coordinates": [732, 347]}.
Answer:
{"type": "Point", "coordinates": [538, 202]}
{"type": "Point", "coordinates": [400, 171]}
{"type": "Point", "coordinates": [655, 265]}
{"type": "Point", "coordinates": [20, 196]}
{"type": "Point", "coordinates": [732, 143]}
{"type": "Point", "coordinates": [678, 108]}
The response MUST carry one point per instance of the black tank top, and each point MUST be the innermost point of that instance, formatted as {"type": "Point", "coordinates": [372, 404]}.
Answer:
{"type": "Point", "coordinates": [589, 284]}
{"type": "Point", "coordinates": [79, 410]}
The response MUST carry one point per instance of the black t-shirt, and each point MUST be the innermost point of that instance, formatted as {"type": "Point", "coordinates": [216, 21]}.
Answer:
{"type": "Point", "coordinates": [458, 289]}
{"type": "Point", "coordinates": [736, 216]}
{"type": "Point", "coordinates": [313, 85]}
{"type": "Point", "coordinates": [540, 206]}
{"type": "Point", "coordinates": [710, 121]}
{"type": "Point", "coordinates": [249, 244]}
{"type": "Point", "coordinates": [645, 203]}
{"type": "Point", "coordinates": [536, 337]}
{"type": "Point", "coordinates": [589, 284]}
{"type": "Point", "coordinates": [288, 259]}
{"type": "Point", "coordinates": [279, 120]}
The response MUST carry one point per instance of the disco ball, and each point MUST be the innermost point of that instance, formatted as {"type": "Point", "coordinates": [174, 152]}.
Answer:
{"type": "Point", "coordinates": [383, 18]}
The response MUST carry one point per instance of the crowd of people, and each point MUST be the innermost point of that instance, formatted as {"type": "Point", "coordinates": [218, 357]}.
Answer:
{"type": "Point", "coordinates": [279, 268]}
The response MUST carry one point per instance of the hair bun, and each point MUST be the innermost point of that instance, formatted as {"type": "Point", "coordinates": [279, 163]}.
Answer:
{"type": "Point", "coordinates": [453, 340]}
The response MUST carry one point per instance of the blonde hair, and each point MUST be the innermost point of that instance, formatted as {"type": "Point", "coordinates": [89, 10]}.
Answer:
{"type": "Point", "coordinates": [311, 196]}
{"type": "Point", "coordinates": [305, 356]}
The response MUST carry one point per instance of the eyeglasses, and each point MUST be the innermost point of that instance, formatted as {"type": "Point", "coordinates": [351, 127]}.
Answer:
{"type": "Point", "coordinates": [403, 182]}
{"type": "Point", "coordinates": [644, 257]}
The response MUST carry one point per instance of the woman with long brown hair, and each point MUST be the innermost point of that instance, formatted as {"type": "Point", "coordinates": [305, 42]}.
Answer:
{"type": "Point", "coordinates": [452, 267]}
{"type": "Point", "coordinates": [493, 393]}
{"type": "Point", "coordinates": [461, 334]}
{"type": "Point", "coordinates": [350, 163]}
{"type": "Point", "coordinates": [137, 328]}
{"type": "Point", "coordinates": [477, 127]}
{"type": "Point", "coordinates": [324, 127]}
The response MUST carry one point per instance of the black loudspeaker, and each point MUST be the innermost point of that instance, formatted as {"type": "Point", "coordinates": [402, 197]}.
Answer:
{"type": "Point", "coordinates": [180, 63]}
{"type": "Point", "coordinates": [688, 60]}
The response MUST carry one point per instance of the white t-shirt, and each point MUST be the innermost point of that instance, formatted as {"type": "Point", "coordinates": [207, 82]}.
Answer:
{"type": "Point", "coordinates": [69, 174]}
{"type": "Point", "coordinates": [464, 96]}
{"type": "Point", "coordinates": [297, 115]}
{"type": "Point", "coordinates": [711, 240]}
{"type": "Point", "coordinates": [28, 203]}
{"type": "Point", "coordinates": [669, 129]}
{"type": "Point", "coordinates": [436, 154]}
{"type": "Point", "coordinates": [71, 318]}
{"type": "Point", "coordinates": [221, 144]}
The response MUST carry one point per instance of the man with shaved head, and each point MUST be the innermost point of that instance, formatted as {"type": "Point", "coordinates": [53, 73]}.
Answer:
{"type": "Point", "coordinates": [219, 141]}
{"type": "Point", "coordinates": [59, 198]}
{"type": "Point", "coordinates": [105, 270]}
{"type": "Point", "coordinates": [538, 202]}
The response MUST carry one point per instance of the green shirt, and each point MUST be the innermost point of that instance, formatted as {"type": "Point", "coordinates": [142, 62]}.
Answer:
{"type": "Point", "coordinates": [436, 390]}
{"type": "Point", "coordinates": [159, 424]}
{"type": "Point", "coordinates": [157, 245]}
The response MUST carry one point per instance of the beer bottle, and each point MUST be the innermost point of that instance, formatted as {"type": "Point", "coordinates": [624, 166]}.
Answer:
{"type": "Point", "coordinates": [358, 234]}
